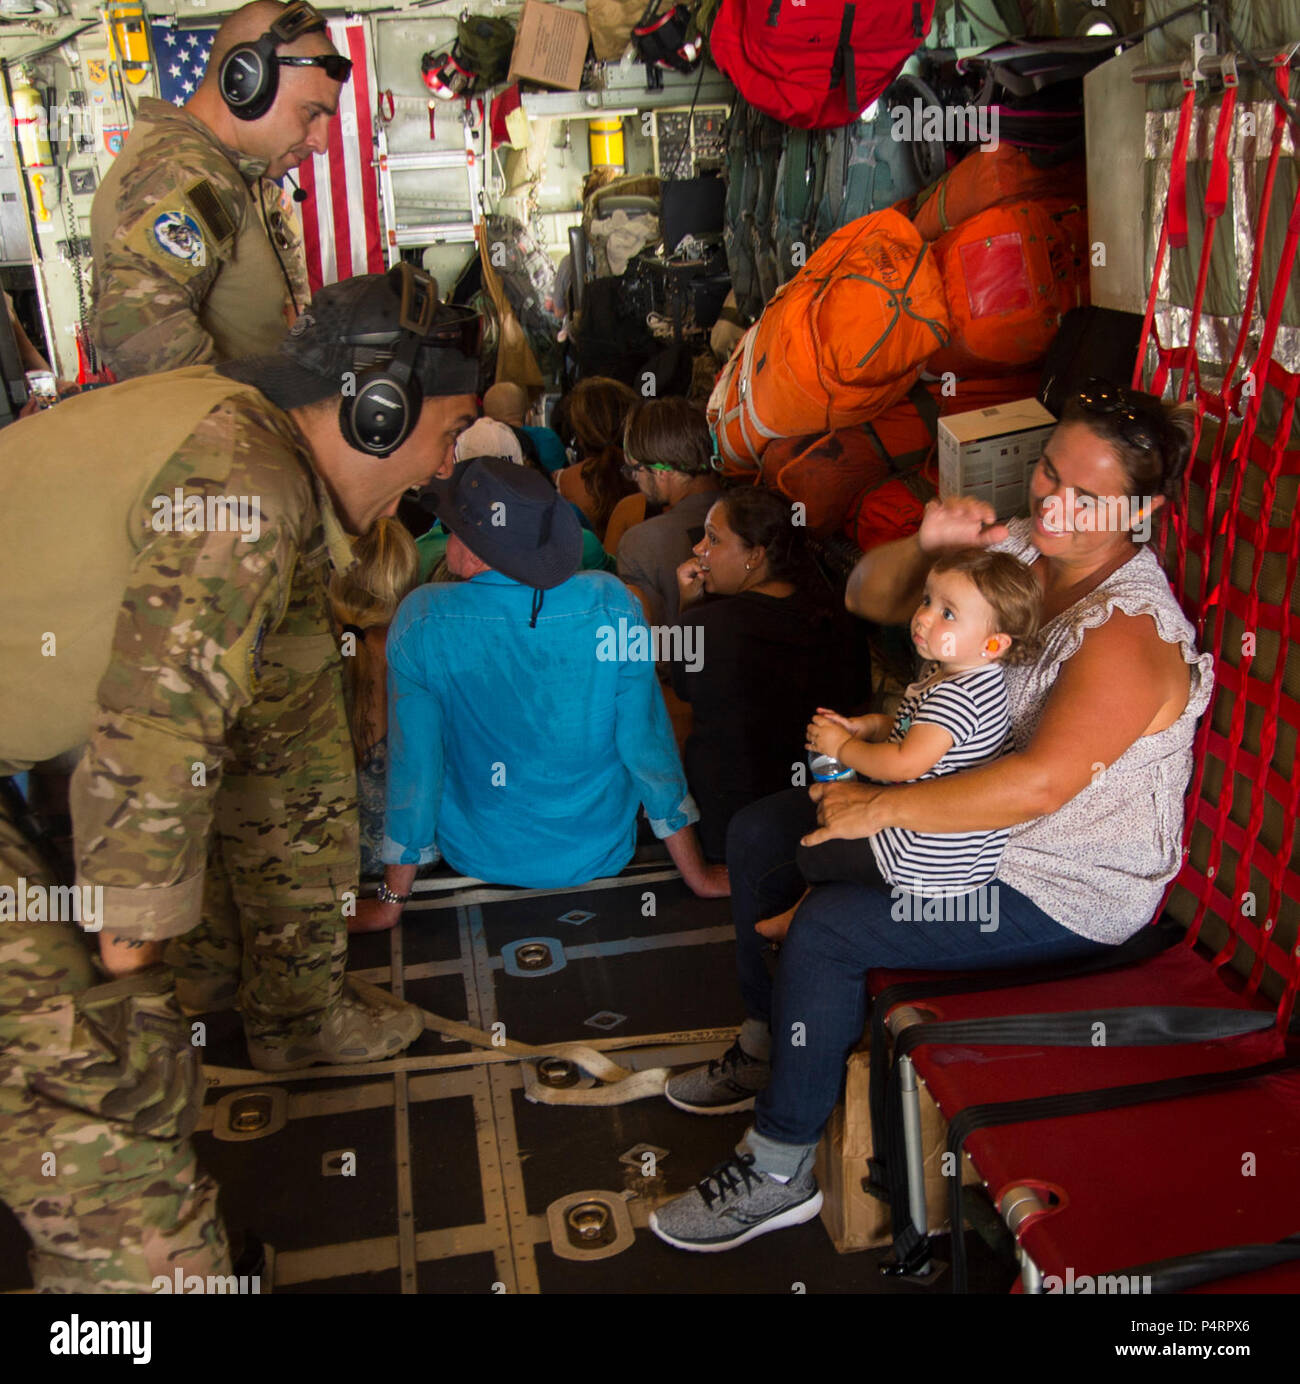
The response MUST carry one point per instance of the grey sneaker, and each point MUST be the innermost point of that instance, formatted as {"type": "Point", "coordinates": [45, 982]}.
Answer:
{"type": "Point", "coordinates": [728, 1083]}
{"type": "Point", "coordinates": [735, 1203]}
{"type": "Point", "coordinates": [353, 1031]}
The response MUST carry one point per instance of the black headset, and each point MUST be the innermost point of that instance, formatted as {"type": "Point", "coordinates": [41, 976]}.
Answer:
{"type": "Point", "coordinates": [382, 413]}
{"type": "Point", "coordinates": [250, 74]}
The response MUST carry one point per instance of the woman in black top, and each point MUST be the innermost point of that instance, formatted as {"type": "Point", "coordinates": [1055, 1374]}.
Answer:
{"type": "Point", "coordinates": [773, 645]}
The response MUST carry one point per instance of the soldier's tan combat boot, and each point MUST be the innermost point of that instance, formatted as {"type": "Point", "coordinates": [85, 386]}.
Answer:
{"type": "Point", "coordinates": [355, 1030]}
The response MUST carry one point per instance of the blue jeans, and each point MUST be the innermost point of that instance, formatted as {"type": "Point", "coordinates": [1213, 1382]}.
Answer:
{"type": "Point", "coordinates": [817, 1005]}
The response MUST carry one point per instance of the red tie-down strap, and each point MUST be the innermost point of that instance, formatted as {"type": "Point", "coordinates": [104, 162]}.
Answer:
{"type": "Point", "coordinates": [1178, 168]}
{"type": "Point", "coordinates": [1273, 865]}
{"type": "Point", "coordinates": [1261, 372]}
{"type": "Point", "coordinates": [1237, 677]}
{"type": "Point", "coordinates": [1227, 401]}
{"type": "Point", "coordinates": [1258, 929]}
{"type": "Point", "coordinates": [1177, 209]}
{"type": "Point", "coordinates": [1216, 201]}
{"type": "Point", "coordinates": [1178, 165]}
{"type": "Point", "coordinates": [1242, 453]}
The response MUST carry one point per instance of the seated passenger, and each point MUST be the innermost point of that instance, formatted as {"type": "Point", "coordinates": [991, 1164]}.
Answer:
{"type": "Point", "coordinates": [670, 455]}
{"type": "Point", "coordinates": [488, 438]}
{"type": "Point", "coordinates": [977, 607]}
{"type": "Point", "coordinates": [630, 511]}
{"type": "Point", "coordinates": [364, 600]}
{"type": "Point", "coordinates": [596, 411]}
{"type": "Point", "coordinates": [508, 403]}
{"type": "Point", "coordinates": [1103, 717]}
{"type": "Point", "coordinates": [770, 645]}
{"type": "Point", "coordinates": [520, 743]}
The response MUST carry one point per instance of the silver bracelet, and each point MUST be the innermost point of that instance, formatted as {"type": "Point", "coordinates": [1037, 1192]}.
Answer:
{"type": "Point", "coordinates": [385, 895]}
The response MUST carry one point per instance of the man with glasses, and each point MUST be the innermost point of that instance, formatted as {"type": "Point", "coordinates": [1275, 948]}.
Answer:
{"type": "Point", "coordinates": [670, 458]}
{"type": "Point", "coordinates": [196, 258]}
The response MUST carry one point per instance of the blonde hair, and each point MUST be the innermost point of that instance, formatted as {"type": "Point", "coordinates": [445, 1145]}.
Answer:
{"type": "Point", "coordinates": [387, 568]}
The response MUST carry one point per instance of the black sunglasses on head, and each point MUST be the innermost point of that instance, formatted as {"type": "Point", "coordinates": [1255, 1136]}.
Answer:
{"type": "Point", "coordinates": [1140, 423]}
{"type": "Point", "coordinates": [337, 68]}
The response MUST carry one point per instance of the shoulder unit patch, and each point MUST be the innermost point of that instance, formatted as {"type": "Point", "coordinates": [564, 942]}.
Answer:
{"type": "Point", "coordinates": [179, 235]}
{"type": "Point", "coordinates": [203, 198]}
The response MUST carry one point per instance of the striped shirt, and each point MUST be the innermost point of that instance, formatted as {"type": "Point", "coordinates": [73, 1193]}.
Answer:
{"type": "Point", "coordinates": [973, 708]}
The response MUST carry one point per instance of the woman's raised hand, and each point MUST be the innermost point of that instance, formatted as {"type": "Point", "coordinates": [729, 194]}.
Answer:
{"type": "Point", "coordinates": [690, 581]}
{"type": "Point", "coordinates": [959, 523]}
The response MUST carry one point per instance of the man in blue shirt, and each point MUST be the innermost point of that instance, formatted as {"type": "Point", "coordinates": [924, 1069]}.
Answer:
{"type": "Point", "coordinates": [520, 742]}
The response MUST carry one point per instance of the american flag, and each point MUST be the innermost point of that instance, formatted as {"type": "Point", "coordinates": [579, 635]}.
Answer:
{"type": "Point", "coordinates": [340, 218]}
{"type": "Point", "coordinates": [181, 56]}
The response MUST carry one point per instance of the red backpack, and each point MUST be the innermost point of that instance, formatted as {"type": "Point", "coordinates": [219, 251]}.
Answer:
{"type": "Point", "coordinates": [816, 64]}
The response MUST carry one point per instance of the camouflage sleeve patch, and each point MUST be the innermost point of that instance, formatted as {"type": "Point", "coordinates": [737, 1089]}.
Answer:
{"type": "Point", "coordinates": [149, 284]}
{"type": "Point", "coordinates": [170, 238]}
{"type": "Point", "coordinates": [208, 207]}
{"type": "Point", "coordinates": [176, 225]}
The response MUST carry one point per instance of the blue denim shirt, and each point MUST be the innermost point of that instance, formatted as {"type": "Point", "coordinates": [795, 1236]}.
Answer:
{"type": "Point", "coordinates": [521, 753]}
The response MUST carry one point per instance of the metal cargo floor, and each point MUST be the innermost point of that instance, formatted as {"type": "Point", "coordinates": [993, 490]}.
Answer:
{"type": "Point", "coordinates": [453, 1170]}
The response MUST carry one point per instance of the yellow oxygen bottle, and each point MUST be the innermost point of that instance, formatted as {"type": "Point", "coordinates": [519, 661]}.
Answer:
{"type": "Point", "coordinates": [31, 124]}
{"type": "Point", "coordinates": [606, 139]}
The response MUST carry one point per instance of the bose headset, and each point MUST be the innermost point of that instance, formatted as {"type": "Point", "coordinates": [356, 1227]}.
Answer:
{"type": "Point", "coordinates": [381, 415]}
{"type": "Point", "coordinates": [386, 407]}
{"type": "Point", "coordinates": [250, 73]}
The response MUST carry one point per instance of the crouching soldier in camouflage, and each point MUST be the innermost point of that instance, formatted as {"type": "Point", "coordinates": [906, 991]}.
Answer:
{"type": "Point", "coordinates": [165, 545]}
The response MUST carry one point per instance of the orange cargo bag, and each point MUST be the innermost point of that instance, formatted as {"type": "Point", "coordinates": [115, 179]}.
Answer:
{"type": "Point", "coordinates": [838, 344]}
{"type": "Point", "coordinates": [1011, 273]}
{"type": "Point", "coordinates": [892, 510]}
{"type": "Point", "coordinates": [981, 180]}
{"type": "Point", "coordinates": [824, 473]}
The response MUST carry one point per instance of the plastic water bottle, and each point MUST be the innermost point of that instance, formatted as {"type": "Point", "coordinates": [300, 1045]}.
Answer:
{"type": "Point", "coordinates": [826, 769]}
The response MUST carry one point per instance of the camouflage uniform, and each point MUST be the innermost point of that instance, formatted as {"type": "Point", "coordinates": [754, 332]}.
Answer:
{"type": "Point", "coordinates": [184, 270]}
{"type": "Point", "coordinates": [215, 801]}
{"type": "Point", "coordinates": [99, 1091]}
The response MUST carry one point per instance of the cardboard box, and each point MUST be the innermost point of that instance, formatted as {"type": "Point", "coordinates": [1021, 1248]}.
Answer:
{"type": "Point", "coordinates": [854, 1219]}
{"type": "Point", "coordinates": [550, 46]}
{"type": "Point", "coordinates": [990, 452]}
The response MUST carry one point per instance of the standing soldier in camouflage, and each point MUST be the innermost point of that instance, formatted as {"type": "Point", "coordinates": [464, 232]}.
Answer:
{"type": "Point", "coordinates": [195, 259]}
{"type": "Point", "coordinates": [167, 609]}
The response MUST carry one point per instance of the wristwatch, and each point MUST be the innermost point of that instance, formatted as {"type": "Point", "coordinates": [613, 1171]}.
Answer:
{"type": "Point", "coordinates": [385, 895]}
